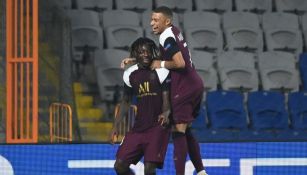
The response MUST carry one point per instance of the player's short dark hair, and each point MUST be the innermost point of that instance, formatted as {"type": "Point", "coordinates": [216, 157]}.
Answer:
{"type": "Point", "coordinates": [165, 11]}
{"type": "Point", "coordinates": [137, 45]}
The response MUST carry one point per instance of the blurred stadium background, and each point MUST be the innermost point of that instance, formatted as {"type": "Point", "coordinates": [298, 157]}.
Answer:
{"type": "Point", "coordinates": [60, 79]}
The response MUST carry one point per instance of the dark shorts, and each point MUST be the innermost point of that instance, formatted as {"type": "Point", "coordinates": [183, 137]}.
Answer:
{"type": "Point", "coordinates": [152, 144]}
{"type": "Point", "coordinates": [185, 109]}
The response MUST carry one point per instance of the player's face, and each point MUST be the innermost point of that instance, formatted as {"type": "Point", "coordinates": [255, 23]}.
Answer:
{"type": "Point", "coordinates": [144, 56]}
{"type": "Point", "coordinates": [159, 23]}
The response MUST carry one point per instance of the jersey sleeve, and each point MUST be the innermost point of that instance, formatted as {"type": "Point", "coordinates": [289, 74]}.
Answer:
{"type": "Point", "coordinates": [170, 47]}
{"type": "Point", "coordinates": [168, 41]}
{"type": "Point", "coordinates": [127, 73]}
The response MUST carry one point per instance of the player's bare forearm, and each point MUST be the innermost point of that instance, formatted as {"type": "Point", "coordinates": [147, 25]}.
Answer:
{"type": "Point", "coordinates": [126, 62]}
{"type": "Point", "coordinates": [119, 116]}
{"type": "Point", "coordinates": [123, 110]}
{"type": "Point", "coordinates": [177, 62]}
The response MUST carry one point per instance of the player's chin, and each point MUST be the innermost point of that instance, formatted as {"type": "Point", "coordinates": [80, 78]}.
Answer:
{"type": "Point", "coordinates": [146, 64]}
{"type": "Point", "coordinates": [155, 32]}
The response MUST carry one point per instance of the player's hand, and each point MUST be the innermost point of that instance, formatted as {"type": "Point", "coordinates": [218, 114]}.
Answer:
{"type": "Point", "coordinates": [163, 119]}
{"type": "Point", "coordinates": [127, 61]}
{"type": "Point", "coordinates": [113, 136]}
{"type": "Point", "coordinates": [155, 64]}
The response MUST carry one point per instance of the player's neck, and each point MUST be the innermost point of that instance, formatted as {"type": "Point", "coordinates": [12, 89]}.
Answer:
{"type": "Point", "coordinates": [143, 66]}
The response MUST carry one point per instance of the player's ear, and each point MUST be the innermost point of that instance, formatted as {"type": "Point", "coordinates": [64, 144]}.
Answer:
{"type": "Point", "coordinates": [168, 21]}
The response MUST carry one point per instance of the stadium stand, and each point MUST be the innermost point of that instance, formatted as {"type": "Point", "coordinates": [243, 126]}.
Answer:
{"type": "Point", "coordinates": [242, 32]}
{"type": "Point", "coordinates": [49, 87]}
{"type": "Point", "coordinates": [254, 6]}
{"type": "Point", "coordinates": [303, 70]}
{"type": "Point", "coordinates": [179, 6]}
{"type": "Point", "coordinates": [109, 74]}
{"type": "Point", "coordinates": [151, 35]}
{"type": "Point", "coordinates": [297, 107]}
{"type": "Point", "coordinates": [226, 115]}
{"type": "Point", "coordinates": [135, 5]}
{"type": "Point", "coordinates": [96, 5]}
{"type": "Point", "coordinates": [84, 104]}
{"type": "Point", "coordinates": [255, 135]}
{"type": "Point", "coordinates": [120, 17]}
{"type": "Point", "coordinates": [298, 110]}
{"type": "Point", "coordinates": [55, 63]}
{"type": "Point", "coordinates": [225, 110]}
{"type": "Point", "coordinates": [267, 110]}
{"type": "Point", "coordinates": [237, 71]}
{"type": "Point", "coordinates": [282, 33]}
{"type": "Point", "coordinates": [121, 28]}
{"type": "Point", "coordinates": [86, 31]}
{"type": "Point", "coordinates": [217, 6]}
{"type": "Point", "coordinates": [291, 135]}
{"type": "Point", "coordinates": [65, 4]}
{"type": "Point", "coordinates": [204, 64]}
{"type": "Point", "coordinates": [292, 6]}
{"type": "Point", "coordinates": [278, 71]}
{"type": "Point", "coordinates": [204, 31]}
{"type": "Point", "coordinates": [91, 118]}
{"type": "Point", "coordinates": [304, 29]}
{"type": "Point", "coordinates": [203, 131]}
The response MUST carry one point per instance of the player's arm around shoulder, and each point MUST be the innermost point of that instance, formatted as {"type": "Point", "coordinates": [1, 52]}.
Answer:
{"type": "Point", "coordinates": [173, 58]}
{"type": "Point", "coordinates": [127, 62]}
{"type": "Point", "coordinates": [177, 62]}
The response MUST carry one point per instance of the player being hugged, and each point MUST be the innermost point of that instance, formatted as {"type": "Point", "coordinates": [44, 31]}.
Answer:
{"type": "Point", "coordinates": [151, 87]}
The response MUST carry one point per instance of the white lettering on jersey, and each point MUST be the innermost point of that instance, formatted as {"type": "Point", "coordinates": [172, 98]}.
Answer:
{"type": "Point", "coordinates": [180, 37]}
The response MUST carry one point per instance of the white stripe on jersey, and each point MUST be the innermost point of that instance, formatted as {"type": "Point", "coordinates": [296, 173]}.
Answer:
{"type": "Point", "coordinates": [166, 34]}
{"type": "Point", "coordinates": [162, 74]}
{"type": "Point", "coordinates": [127, 74]}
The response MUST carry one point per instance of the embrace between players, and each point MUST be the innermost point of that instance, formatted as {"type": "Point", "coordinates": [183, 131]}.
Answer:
{"type": "Point", "coordinates": [169, 93]}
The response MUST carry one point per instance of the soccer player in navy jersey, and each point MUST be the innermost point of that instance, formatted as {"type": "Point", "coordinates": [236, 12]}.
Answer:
{"type": "Point", "coordinates": [186, 88]}
{"type": "Point", "coordinates": [150, 134]}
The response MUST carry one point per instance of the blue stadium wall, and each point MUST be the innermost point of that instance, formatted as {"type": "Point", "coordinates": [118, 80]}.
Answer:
{"type": "Point", "coordinates": [263, 158]}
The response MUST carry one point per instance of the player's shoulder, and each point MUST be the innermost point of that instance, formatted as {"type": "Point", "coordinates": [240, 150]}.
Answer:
{"type": "Point", "coordinates": [167, 33]}
{"type": "Point", "coordinates": [128, 72]}
{"type": "Point", "coordinates": [131, 69]}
